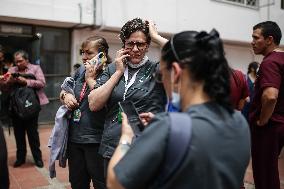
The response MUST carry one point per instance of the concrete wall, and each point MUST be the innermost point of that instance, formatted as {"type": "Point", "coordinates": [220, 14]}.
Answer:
{"type": "Point", "coordinates": [65, 11]}
{"type": "Point", "coordinates": [233, 22]}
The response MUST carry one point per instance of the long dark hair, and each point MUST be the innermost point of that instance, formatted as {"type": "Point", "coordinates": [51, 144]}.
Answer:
{"type": "Point", "coordinates": [203, 55]}
{"type": "Point", "coordinates": [253, 65]}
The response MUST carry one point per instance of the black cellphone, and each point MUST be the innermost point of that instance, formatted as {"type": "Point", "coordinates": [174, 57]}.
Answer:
{"type": "Point", "coordinates": [15, 75]}
{"type": "Point", "coordinates": [133, 117]}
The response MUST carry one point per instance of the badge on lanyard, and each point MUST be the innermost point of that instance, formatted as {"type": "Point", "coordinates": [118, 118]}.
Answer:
{"type": "Point", "coordinates": [127, 86]}
{"type": "Point", "coordinates": [77, 113]}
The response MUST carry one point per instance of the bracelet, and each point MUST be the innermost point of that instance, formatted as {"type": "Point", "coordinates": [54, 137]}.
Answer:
{"type": "Point", "coordinates": [124, 146]}
{"type": "Point", "coordinates": [124, 142]}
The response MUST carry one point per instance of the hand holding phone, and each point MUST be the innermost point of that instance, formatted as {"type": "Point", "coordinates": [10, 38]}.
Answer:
{"type": "Point", "coordinates": [133, 117]}
{"type": "Point", "coordinates": [120, 58]}
{"type": "Point", "coordinates": [98, 59]}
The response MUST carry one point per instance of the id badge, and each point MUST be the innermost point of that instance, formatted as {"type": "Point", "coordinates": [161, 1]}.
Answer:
{"type": "Point", "coordinates": [77, 115]}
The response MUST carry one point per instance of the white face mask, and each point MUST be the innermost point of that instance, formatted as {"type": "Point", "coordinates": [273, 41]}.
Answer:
{"type": "Point", "coordinates": [175, 102]}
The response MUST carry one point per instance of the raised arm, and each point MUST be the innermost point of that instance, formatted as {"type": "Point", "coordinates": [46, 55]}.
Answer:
{"type": "Point", "coordinates": [122, 148]}
{"type": "Point", "coordinates": [99, 96]}
{"type": "Point", "coordinates": [156, 38]}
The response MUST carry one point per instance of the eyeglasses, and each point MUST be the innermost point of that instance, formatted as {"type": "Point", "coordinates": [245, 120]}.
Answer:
{"type": "Point", "coordinates": [140, 45]}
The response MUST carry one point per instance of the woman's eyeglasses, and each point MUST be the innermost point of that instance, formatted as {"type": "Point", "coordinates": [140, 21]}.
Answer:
{"type": "Point", "coordinates": [140, 45]}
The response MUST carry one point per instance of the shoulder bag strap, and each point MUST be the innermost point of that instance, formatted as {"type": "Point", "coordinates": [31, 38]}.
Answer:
{"type": "Point", "coordinates": [178, 145]}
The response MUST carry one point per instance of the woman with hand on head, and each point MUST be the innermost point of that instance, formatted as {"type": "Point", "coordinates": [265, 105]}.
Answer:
{"type": "Point", "coordinates": [86, 127]}
{"type": "Point", "coordinates": [218, 151]}
{"type": "Point", "coordinates": [129, 78]}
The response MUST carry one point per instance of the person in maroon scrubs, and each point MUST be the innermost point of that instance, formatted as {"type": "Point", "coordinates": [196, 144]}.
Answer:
{"type": "Point", "coordinates": [266, 115]}
{"type": "Point", "coordinates": [239, 89]}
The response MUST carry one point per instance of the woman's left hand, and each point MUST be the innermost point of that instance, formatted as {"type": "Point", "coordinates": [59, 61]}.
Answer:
{"type": "Point", "coordinates": [127, 131]}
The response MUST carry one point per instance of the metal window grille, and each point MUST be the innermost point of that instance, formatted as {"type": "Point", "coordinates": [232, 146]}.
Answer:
{"type": "Point", "coordinates": [251, 3]}
{"type": "Point", "coordinates": [246, 3]}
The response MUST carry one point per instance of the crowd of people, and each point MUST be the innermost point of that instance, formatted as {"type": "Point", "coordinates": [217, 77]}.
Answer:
{"type": "Point", "coordinates": [202, 119]}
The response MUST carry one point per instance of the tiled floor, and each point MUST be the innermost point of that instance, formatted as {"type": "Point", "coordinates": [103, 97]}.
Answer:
{"type": "Point", "coordinates": [28, 176]}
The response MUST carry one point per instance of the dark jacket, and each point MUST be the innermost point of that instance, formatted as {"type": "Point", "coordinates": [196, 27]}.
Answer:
{"type": "Point", "coordinates": [146, 94]}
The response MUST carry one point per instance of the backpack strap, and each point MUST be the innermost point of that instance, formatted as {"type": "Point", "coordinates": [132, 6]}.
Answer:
{"type": "Point", "coordinates": [178, 145]}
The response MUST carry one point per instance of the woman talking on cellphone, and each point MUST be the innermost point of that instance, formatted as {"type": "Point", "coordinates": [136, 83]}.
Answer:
{"type": "Point", "coordinates": [86, 127]}
{"type": "Point", "coordinates": [129, 78]}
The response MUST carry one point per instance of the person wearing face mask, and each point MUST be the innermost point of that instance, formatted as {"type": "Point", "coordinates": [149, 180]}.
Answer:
{"type": "Point", "coordinates": [173, 104]}
{"type": "Point", "coordinates": [219, 148]}
{"type": "Point", "coordinates": [129, 78]}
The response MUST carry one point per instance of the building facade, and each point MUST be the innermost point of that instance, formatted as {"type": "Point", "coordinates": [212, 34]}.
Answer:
{"type": "Point", "coordinates": [52, 31]}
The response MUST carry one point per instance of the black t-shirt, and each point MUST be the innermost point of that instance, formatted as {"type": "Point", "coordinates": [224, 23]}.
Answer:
{"type": "Point", "coordinates": [219, 152]}
{"type": "Point", "coordinates": [90, 127]}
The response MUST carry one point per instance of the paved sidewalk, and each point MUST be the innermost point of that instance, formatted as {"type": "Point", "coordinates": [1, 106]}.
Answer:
{"type": "Point", "coordinates": [29, 176]}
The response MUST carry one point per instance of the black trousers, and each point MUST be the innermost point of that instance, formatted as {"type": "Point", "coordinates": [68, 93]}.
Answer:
{"type": "Point", "coordinates": [4, 175]}
{"type": "Point", "coordinates": [21, 127]}
{"type": "Point", "coordinates": [85, 164]}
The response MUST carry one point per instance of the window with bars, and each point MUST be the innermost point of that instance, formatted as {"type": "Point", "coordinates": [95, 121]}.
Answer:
{"type": "Point", "coordinates": [246, 3]}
